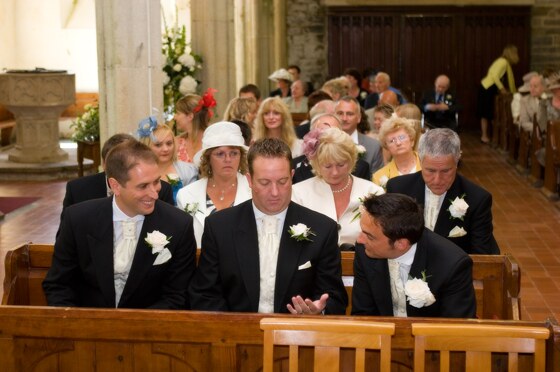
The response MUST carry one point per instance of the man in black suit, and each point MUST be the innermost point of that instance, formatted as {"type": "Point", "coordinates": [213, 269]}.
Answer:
{"type": "Point", "coordinates": [252, 260]}
{"type": "Point", "coordinates": [454, 207]}
{"type": "Point", "coordinates": [440, 105]}
{"type": "Point", "coordinates": [96, 186]}
{"type": "Point", "coordinates": [403, 269]}
{"type": "Point", "coordinates": [128, 251]}
{"type": "Point", "coordinates": [302, 168]}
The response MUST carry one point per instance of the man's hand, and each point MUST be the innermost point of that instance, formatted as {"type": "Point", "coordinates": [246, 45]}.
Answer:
{"type": "Point", "coordinates": [301, 306]}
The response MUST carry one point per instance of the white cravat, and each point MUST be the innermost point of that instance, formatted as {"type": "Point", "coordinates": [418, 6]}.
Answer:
{"type": "Point", "coordinates": [431, 208]}
{"type": "Point", "coordinates": [397, 289]}
{"type": "Point", "coordinates": [268, 257]}
{"type": "Point", "coordinates": [124, 251]}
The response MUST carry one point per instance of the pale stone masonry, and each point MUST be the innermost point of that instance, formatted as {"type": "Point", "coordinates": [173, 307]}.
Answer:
{"type": "Point", "coordinates": [545, 35]}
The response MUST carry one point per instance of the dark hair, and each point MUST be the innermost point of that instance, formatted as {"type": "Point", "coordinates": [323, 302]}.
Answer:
{"type": "Point", "coordinates": [295, 67]}
{"type": "Point", "coordinates": [245, 131]}
{"type": "Point", "coordinates": [122, 158]}
{"type": "Point", "coordinates": [316, 97]}
{"type": "Point", "coordinates": [363, 125]}
{"type": "Point", "coordinates": [251, 88]}
{"type": "Point", "coordinates": [113, 141]}
{"type": "Point", "coordinates": [398, 215]}
{"type": "Point", "coordinates": [268, 148]}
{"type": "Point", "coordinates": [354, 73]}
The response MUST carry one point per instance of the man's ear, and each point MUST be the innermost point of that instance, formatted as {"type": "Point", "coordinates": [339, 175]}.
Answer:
{"type": "Point", "coordinates": [248, 175]}
{"type": "Point", "coordinates": [115, 186]}
{"type": "Point", "coordinates": [402, 245]}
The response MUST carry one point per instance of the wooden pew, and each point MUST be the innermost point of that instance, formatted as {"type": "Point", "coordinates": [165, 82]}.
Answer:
{"type": "Point", "coordinates": [506, 120]}
{"type": "Point", "coordinates": [496, 121]}
{"type": "Point", "coordinates": [496, 280]}
{"type": "Point", "coordinates": [552, 163]}
{"type": "Point", "coordinates": [298, 118]}
{"type": "Point", "coordinates": [73, 339]}
{"type": "Point", "coordinates": [536, 173]}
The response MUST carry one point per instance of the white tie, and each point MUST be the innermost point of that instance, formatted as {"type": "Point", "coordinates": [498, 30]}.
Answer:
{"type": "Point", "coordinates": [432, 211]}
{"type": "Point", "coordinates": [397, 289]}
{"type": "Point", "coordinates": [126, 247]}
{"type": "Point", "coordinates": [268, 257]}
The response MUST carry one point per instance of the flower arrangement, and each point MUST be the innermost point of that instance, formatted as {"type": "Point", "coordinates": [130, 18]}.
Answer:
{"type": "Point", "coordinates": [86, 127]}
{"type": "Point", "coordinates": [179, 68]}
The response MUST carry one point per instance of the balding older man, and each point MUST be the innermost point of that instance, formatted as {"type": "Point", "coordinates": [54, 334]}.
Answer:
{"type": "Point", "coordinates": [382, 85]}
{"type": "Point", "coordinates": [440, 105]}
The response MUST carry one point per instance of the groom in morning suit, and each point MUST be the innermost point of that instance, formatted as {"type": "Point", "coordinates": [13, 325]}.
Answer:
{"type": "Point", "coordinates": [103, 255]}
{"type": "Point", "coordinates": [395, 247]}
{"type": "Point", "coordinates": [437, 186]}
{"type": "Point", "coordinates": [250, 262]}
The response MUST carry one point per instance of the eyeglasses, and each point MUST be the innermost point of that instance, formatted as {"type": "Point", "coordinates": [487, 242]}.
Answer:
{"type": "Point", "coordinates": [401, 138]}
{"type": "Point", "coordinates": [233, 154]}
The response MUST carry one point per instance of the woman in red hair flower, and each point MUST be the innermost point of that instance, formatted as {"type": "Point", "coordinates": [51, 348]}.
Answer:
{"type": "Point", "coordinates": [192, 116]}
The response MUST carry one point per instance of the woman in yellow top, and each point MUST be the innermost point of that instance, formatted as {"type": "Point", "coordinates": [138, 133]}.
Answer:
{"type": "Point", "coordinates": [397, 135]}
{"type": "Point", "coordinates": [491, 84]}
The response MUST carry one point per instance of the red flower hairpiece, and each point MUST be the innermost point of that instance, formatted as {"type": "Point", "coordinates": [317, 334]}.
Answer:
{"type": "Point", "coordinates": [207, 101]}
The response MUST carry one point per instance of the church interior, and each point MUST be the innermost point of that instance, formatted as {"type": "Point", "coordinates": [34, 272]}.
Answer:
{"type": "Point", "coordinates": [113, 52]}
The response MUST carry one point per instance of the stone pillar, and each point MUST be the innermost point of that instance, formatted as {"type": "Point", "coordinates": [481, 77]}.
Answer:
{"type": "Point", "coordinates": [129, 60]}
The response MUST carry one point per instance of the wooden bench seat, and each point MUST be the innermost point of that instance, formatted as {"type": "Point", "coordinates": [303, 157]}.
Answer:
{"type": "Point", "coordinates": [73, 339]}
{"type": "Point", "coordinates": [496, 280]}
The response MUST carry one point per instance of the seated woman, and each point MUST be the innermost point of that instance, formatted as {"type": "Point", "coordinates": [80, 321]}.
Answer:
{"type": "Point", "coordinates": [334, 191]}
{"type": "Point", "coordinates": [275, 121]}
{"type": "Point", "coordinates": [160, 138]}
{"type": "Point", "coordinates": [376, 116]}
{"type": "Point", "coordinates": [192, 115]}
{"type": "Point", "coordinates": [297, 102]}
{"type": "Point", "coordinates": [411, 112]}
{"type": "Point", "coordinates": [223, 164]}
{"type": "Point", "coordinates": [397, 136]}
{"type": "Point", "coordinates": [244, 109]}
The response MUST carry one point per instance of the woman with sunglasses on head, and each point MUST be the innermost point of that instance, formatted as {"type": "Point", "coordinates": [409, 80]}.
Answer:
{"type": "Point", "coordinates": [397, 136]}
{"type": "Point", "coordinates": [223, 164]}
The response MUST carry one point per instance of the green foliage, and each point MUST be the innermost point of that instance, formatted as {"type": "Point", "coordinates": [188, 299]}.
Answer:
{"type": "Point", "coordinates": [86, 127]}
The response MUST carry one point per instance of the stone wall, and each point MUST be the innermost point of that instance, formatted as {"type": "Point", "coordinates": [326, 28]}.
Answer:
{"type": "Point", "coordinates": [306, 22]}
{"type": "Point", "coordinates": [545, 35]}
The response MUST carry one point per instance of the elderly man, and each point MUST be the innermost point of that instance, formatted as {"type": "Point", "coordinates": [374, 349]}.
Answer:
{"type": "Point", "coordinates": [529, 105]}
{"type": "Point", "coordinates": [349, 112]}
{"type": "Point", "coordinates": [269, 255]}
{"type": "Point", "coordinates": [396, 253]}
{"type": "Point", "coordinates": [440, 105]}
{"type": "Point", "coordinates": [382, 85]}
{"type": "Point", "coordinates": [454, 207]}
{"type": "Point", "coordinates": [128, 251]}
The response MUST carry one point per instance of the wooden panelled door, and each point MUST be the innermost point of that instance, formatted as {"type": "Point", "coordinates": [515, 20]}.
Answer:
{"type": "Point", "coordinates": [415, 44]}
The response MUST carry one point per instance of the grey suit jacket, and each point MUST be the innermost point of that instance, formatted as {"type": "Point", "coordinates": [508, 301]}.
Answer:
{"type": "Point", "coordinates": [374, 152]}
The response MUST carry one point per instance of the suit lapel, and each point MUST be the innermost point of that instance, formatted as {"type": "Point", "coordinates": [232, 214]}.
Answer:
{"type": "Point", "coordinates": [288, 257]}
{"type": "Point", "coordinates": [444, 222]}
{"type": "Point", "coordinates": [246, 245]}
{"type": "Point", "coordinates": [382, 287]}
{"type": "Point", "coordinates": [100, 246]}
{"type": "Point", "coordinates": [419, 265]}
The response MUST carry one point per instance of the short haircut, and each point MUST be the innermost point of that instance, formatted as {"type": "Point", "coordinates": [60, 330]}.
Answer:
{"type": "Point", "coordinates": [251, 88]}
{"type": "Point", "coordinates": [113, 141]}
{"type": "Point", "coordinates": [321, 107]}
{"type": "Point", "coordinates": [205, 168]}
{"type": "Point", "coordinates": [440, 142]}
{"type": "Point", "coordinates": [336, 146]}
{"type": "Point", "coordinates": [295, 67]}
{"type": "Point", "coordinates": [316, 97]}
{"type": "Point", "coordinates": [394, 124]}
{"type": "Point", "coordinates": [122, 158]}
{"type": "Point", "coordinates": [354, 73]}
{"type": "Point", "coordinates": [268, 148]}
{"type": "Point", "coordinates": [386, 109]}
{"type": "Point", "coordinates": [398, 215]}
{"type": "Point", "coordinates": [351, 99]}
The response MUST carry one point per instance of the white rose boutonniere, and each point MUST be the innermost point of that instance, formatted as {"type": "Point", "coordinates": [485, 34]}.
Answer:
{"type": "Point", "coordinates": [457, 232]}
{"type": "Point", "coordinates": [158, 241]}
{"type": "Point", "coordinates": [301, 232]}
{"type": "Point", "coordinates": [361, 150]}
{"type": "Point", "coordinates": [383, 181]}
{"type": "Point", "coordinates": [192, 209]}
{"type": "Point", "coordinates": [458, 207]}
{"type": "Point", "coordinates": [418, 293]}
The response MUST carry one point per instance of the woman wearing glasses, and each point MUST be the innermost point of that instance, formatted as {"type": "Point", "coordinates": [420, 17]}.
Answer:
{"type": "Point", "coordinates": [397, 135]}
{"type": "Point", "coordinates": [222, 163]}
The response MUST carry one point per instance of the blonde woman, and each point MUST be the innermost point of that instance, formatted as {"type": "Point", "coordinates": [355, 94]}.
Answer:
{"type": "Point", "coordinates": [337, 87]}
{"type": "Point", "coordinates": [397, 136]}
{"type": "Point", "coordinates": [244, 109]}
{"type": "Point", "coordinates": [160, 138]}
{"type": "Point", "coordinates": [333, 191]}
{"type": "Point", "coordinates": [275, 121]}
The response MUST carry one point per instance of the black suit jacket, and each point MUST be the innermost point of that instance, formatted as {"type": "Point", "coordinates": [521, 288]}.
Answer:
{"type": "Point", "coordinates": [304, 171]}
{"type": "Point", "coordinates": [477, 222]}
{"type": "Point", "coordinates": [449, 277]}
{"type": "Point", "coordinates": [228, 276]}
{"type": "Point", "coordinates": [440, 119]}
{"type": "Point", "coordinates": [81, 273]}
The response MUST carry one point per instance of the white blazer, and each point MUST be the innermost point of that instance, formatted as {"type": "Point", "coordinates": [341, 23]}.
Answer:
{"type": "Point", "coordinates": [196, 193]}
{"type": "Point", "coordinates": [316, 194]}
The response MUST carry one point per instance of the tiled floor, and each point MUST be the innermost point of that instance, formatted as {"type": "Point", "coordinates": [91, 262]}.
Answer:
{"type": "Point", "coordinates": [527, 225]}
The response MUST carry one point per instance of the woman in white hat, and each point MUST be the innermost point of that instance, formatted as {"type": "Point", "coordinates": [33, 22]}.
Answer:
{"type": "Point", "coordinates": [283, 79]}
{"type": "Point", "coordinates": [222, 163]}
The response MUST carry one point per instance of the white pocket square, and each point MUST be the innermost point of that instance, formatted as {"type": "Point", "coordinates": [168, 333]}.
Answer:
{"type": "Point", "coordinates": [162, 257]}
{"type": "Point", "coordinates": [457, 232]}
{"type": "Point", "coordinates": [306, 265]}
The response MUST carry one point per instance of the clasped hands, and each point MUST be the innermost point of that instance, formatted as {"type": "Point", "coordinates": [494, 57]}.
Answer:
{"type": "Point", "coordinates": [438, 106]}
{"type": "Point", "coordinates": [308, 307]}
